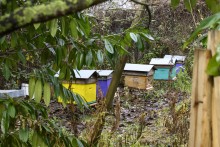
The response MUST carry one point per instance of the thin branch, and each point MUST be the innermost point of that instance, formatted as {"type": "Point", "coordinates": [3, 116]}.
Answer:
{"type": "Point", "coordinates": [148, 10]}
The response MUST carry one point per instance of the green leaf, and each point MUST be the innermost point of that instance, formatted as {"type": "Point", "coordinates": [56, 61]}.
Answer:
{"type": "Point", "coordinates": [14, 40]}
{"type": "Point", "coordinates": [73, 29]}
{"type": "Point", "coordinates": [59, 55]}
{"type": "Point", "coordinates": [89, 58]}
{"type": "Point", "coordinates": [213, 5]}
{"type": "Point", "coordinates": [23, 134]}
{"type": "Point", "coordinates": [140, 44]}
{"type": "Point", "coordinates": [213, 67]}
{"type": "Point", "coordinates": [62, 72]}
{"type": "Point", "coordinates": [38, 91]}
{"type": "Point", "coordinates": [31, 87]}
{"type": "Point", "coordinates": [2, 39]}
{"type": "Point", "coordinates": [11, 111]}
{"type": "Point", "coordinates": [36, 26]}
{"type": "Point", "coordinates": [175, 3]}
{"type": "Point", "coordinates": [133, 37]}
{"type": "Point", "coordinates": [21, 57]}
{"type": "Point", "coordinates": [206, 23]}
{"type": "Point", "coordinates": [189, 4]}
{"type": "Point", "coordinates": [35, 139]}
{"type": "Point", "coordinates": [4, 123]}
{"type": "Point", "coordinates": [100, 56]}
{"type": "Point", "coordinates": [53, 27]}
{"type": "Point", "coordinates": [148, 36]}
{"type": "Point", "coordinates": [108, 46]}
{"type": "Point", "coordinates": [6, 71]}
{"type": "Point", "coordinates": [47, 94]}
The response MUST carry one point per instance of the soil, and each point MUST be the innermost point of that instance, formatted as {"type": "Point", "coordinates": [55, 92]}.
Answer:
{"type": "Point", "coordinates": [137, 109]}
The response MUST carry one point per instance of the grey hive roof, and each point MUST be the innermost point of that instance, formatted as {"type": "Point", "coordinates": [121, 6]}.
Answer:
{"type": "Point", "coordinates": [81, 74]}
{"type": "Point", "coordinates": [84, 74]}
{"type": "Point", "coordinates": [162, 61]}
{"type": "Point", "coordinates": [138, 67]}
{"type": "Point", "coordinates": [104, 73]}
{"type": "Point", "coordinates": [177, 57]}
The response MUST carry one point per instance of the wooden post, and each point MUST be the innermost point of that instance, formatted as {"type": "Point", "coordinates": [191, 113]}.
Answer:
{"type": "Point", "coordinates": [213, 42]}
{"type": "Point", "coordinates": [205, 103]}
{"type": "Point", "coordinates": [200, 115]}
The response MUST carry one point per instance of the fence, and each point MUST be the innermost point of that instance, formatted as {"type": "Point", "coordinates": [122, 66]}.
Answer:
{"type": "Point", "coordinates": [205, 102]}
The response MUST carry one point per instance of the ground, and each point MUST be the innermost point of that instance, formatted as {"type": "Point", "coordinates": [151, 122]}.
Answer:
{"type": "Point", "coordinates": [147, 118]}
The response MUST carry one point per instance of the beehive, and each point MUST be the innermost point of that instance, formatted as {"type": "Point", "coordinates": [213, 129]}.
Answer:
{"type": "Point", "coordinates": [84, 85]}
{"type": "Point", "coordinates": [104, 80]}
{"type": "Point", "coordinates": [138, 76]}
{"type": "Point", "coordinates": [165, 69]}
{"type": "Point", "coordinates": [179, 61]}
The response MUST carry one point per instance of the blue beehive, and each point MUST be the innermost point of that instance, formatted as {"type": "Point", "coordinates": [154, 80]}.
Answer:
{"type": "Point", "coordinates": [165, 68]}
{"type": "Point", "coordinates": [104, 80]}
{"type": "Point", "coordinates": [179, 61]}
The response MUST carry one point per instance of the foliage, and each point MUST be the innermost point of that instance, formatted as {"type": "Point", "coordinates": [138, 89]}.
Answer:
{"type": "Point", "coordinates": [183, 82]}
{"type": "Point", "coordinates": [213, 5]}
{"type": "Point", "coordinates": [177, 122]}
{"type": "Point", "coordinates": [26, 123]}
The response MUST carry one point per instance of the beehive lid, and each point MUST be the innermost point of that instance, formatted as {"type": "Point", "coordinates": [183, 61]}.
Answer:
{"type": "Point", "coordinates": [138, 67]}
{"type": "Point", "coordinates": [104, 73]}
{"type": "Point", "coordinates": [177, 57]}
{"type": "Point", "coordinates": [84, 74]}
{"type": "Point", "coordinates": [162, 61]}
{"type": "Point", "coordinates": [11, 93]}
{"type": "Point", "coordinates": [81, 74]}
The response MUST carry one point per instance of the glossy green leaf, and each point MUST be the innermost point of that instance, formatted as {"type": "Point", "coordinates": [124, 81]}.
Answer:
{"type": "Point", "coordinates": [31, 87]}
{"type": "Point", "coordinates": [47, 94]}
{"type": "Point", "coordinates": [4, 122]}
{"type": "Point", "coordinates": [148, 36]}
{"type": "Point", "coordinates": [6, 71]}
{"type": "Point", "coordinates": [89, 58]}
{"type": "Point", "coordinates": [175, 3]}
{"type": "Point", "coordinates": [189, 4]}
{"type": "Point", "coordinates": [38, 91]}
{"type": "Point", "coordinates": [53, 27]}
{"type": "Point", "coordinates": [35, 139]}
{"type": "Point", "coordinates": [100, 56]}
{"type": "Point", "coordinates": [36, 26]}
{"type": "Point", "coordinates": [140, 44]}
{"type": "Point", "coordinates": [11, 111]}
{"type": "Point", "coordinates": [133, 37]}
{"type": "Point", "coordinates": [23, 134]}
{"type": "Point", "coordinates": [108, 46]}
{"type": "Point", "coordinates": [213, 67]}
{"type": "Point", "coordinates": [73, 29]}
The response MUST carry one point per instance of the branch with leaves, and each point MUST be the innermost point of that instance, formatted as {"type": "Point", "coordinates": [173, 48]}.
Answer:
{"type": "Point", "coordinates": [24, 16]}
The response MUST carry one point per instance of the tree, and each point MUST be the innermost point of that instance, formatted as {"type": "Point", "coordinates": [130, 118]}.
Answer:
{"type": "Point", "coordinates": [59, 44]}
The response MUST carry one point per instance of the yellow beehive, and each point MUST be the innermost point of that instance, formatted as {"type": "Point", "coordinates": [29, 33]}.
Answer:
{"type": "Point", "coordinates": [84, 85]}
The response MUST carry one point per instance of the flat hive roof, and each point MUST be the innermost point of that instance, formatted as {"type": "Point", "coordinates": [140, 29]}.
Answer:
{"type": "Point", "coordinates": [177, 57]}
{"type": "Point", "coordinates": [138, 67]}
{"type": "Point", "coordinates": [162, 61]}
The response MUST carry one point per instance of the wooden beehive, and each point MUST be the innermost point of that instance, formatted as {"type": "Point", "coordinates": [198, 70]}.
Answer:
{"type": "Point", "coordinates": [138, 76]}
{"type": "Point", "coordinates": [84, 85]}
{"type": "Point", "coordinates": [164, 68]}
{"type": "Point", "coordinates": [179, 61]}
{"type": "Point", "coordinates": [103, 82]}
